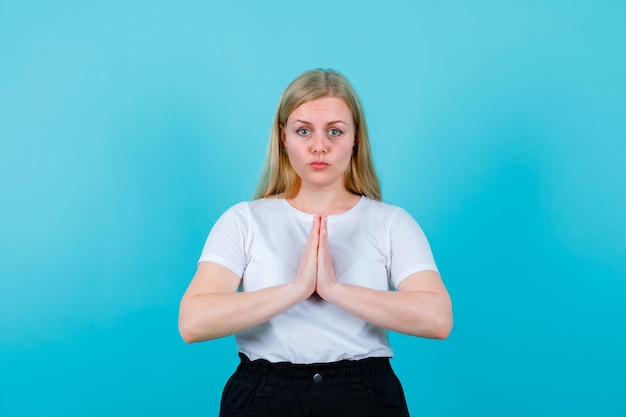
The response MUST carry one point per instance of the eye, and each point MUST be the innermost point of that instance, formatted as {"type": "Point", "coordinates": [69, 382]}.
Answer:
{"type": "Point", "coordinates": [303, 131]}
{"type": "Point", "coordinates": [334, 132]}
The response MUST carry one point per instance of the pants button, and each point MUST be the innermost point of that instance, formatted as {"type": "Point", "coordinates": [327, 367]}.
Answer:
{"type": "Point", "coordinates": [317, 378]}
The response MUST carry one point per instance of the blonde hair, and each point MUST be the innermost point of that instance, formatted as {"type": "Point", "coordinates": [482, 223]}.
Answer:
{"type": "Point", "coordinates": [278, 177]}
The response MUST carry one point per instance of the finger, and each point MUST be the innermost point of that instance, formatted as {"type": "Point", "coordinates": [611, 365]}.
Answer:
{"type": "Point", "coordinates": [324, 229]}
{"type": "Point", "coordinates": [313, 238]}
{"type": "Point", "coordinates": [318, 222]}
{"type": "Point", "coordinates": [324, 224]}
{"type": "Point", "coordinates": [315, 225]}
{"type": "Point", "coordinates": [325, 271]}
{"type": "Point", "coordinates": [323, 243]}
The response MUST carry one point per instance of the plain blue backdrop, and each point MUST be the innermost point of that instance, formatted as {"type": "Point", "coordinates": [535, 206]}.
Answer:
{"type": "Point", "coordinates": [127, 128]}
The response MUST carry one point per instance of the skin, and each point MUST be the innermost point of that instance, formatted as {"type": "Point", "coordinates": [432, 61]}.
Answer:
{"type": "Point", "coordinates": [321, 130]}
{"type": "Point", "coordinates": [319, 136]}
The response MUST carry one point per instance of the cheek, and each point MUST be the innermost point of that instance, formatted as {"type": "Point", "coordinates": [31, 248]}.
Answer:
{"type": "Point", "coordinates": [348, 151]}
{"type": "Point", "coordinates": [295, 156]}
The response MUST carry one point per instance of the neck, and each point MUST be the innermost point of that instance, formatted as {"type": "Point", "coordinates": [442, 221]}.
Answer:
{"type": "Point", "coordinates": [329, 201]}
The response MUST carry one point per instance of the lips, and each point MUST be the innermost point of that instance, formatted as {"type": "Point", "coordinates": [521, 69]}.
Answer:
{"type": "Point", "coordinates": [318, 165]}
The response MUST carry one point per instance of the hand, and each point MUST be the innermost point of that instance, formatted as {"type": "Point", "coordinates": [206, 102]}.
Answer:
{"type": "Point", "coordinates": [325, 272]}
{"type": "Point", "coordinates": [306, 277]}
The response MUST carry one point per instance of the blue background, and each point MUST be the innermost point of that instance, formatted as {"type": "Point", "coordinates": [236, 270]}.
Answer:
{"type": "Point", "coordinates": [127, 127]}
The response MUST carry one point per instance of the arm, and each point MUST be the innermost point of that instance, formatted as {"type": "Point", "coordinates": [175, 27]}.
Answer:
{"type": "Point", "coordinates": [212, 308]}
{"type": "Point", "coordinates": [420, 307]}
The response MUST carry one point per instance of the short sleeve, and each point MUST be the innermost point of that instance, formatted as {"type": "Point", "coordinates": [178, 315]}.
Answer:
{"type": "Point", "coordinates": [226, 243]}
{"type": "Point", "coordinates": [410, 251]}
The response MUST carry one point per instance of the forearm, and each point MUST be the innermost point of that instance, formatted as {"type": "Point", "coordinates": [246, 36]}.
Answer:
{"type": "Point", "coordinates": [417, 313]}
{"type": "Point", "coordinates": [214, 315]}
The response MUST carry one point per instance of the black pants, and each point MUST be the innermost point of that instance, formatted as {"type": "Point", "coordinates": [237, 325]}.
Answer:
{"type": "Point", "coordinates": [362, 388]}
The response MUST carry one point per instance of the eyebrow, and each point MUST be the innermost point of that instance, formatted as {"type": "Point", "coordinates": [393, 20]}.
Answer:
{"type": "Point", "coordinates": [332, 122]}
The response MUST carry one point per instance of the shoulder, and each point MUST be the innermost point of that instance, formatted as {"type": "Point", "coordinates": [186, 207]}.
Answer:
{"type": "Point", "coordinates": [245, 210]}
{"type": "Point", "coordinates": [264, 206]}
{"type": "Point", "coordinates": [374, 207]}
{"type": "Point", "coordinates": [392, 216]}
{"type": "Point", "coordinates": [254, 205]}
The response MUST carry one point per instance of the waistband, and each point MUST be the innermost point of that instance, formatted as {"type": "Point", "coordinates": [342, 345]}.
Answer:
{"type": "Point", "coordinates": [264, 372]}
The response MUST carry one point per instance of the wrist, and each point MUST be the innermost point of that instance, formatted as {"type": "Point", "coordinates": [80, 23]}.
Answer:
{"type": "Point", "coordinates": [329, 292]}
{"type": "Point", "coordinates": [300, 292]}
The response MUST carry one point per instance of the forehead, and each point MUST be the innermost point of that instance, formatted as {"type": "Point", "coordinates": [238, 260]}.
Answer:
{"type": "Point", "coordinates": [322, 109]}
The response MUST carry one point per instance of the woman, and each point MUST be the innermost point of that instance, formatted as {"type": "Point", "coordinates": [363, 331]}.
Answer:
{"type": "Point", "coordinates": [316, 258]}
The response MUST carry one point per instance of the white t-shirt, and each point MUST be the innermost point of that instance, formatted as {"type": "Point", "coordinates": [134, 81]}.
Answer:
{"type": "Point", "coordinates": [374, 245]}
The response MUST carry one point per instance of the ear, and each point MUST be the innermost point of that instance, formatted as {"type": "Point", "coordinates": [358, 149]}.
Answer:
{"type": "Point", "coordinates": [283, 140]}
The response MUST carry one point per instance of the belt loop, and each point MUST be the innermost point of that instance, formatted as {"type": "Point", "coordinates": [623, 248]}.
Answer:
{"type": "Point", "coordinates": [263, 376]}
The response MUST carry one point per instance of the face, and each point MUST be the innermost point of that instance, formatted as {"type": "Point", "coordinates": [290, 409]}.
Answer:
{"type": "Point", "coordinates": [319, 137]}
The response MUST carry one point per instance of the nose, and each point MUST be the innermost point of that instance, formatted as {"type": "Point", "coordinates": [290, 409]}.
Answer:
{"type": "Point", "coordinates": [318, 143]}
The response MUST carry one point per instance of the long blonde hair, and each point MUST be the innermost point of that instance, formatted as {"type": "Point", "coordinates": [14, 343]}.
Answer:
{"type": "Point", "coordinates": [278, 177]}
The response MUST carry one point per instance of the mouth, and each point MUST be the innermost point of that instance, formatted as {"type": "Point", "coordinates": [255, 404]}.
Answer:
{"type": "Point", "coordinates": [318, 165]}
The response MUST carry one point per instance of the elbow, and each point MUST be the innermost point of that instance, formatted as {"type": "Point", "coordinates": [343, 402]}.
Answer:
{"type": "Point", "coordinates": [442, 331]}
{"type": "Point", "coordinates": [192, 329]}
{"type": "Point", "coordinates": [185, 332]}
{"type": "Point", "coordinates": [443, 320]}
{"type": "Point", "coordinates": [443, 327]}
{"type": "Point", "coordinates": [186, 328]}
{"type": "Point", "coordinates": [187, 336]}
